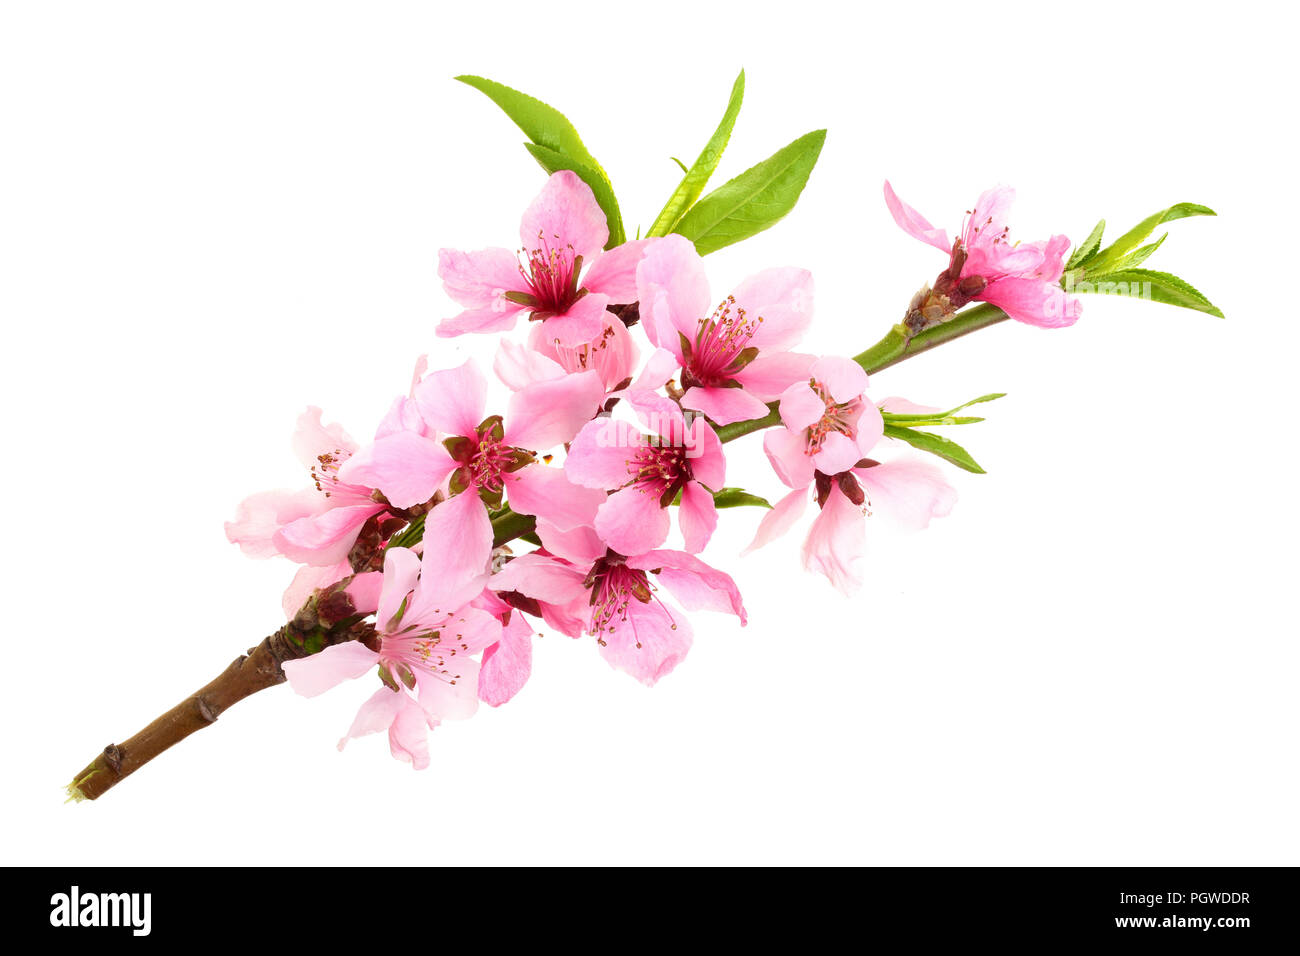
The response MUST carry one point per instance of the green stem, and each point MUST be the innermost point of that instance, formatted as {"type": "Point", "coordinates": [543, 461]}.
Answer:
{"type": "Point", "coordinates": [895, 347]}
{"type": "Point", "coordinates": [510, 525]}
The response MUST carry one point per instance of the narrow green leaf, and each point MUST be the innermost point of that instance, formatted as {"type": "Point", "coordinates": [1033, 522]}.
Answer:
{"type": "Point", "coordinates": [930, 417]}
{"type": "Point", "coordinates": [551, 161]}
{"type": "Point", "coordinates": [755, 200]}
{"type": "Point", "coordinates": [737, 498]}
{"type": "Point", "coordinates": [1140, 255]}
{"type": "Point", "coordinates": [697, 177]}
{"type": "Point", "coordinates": [1088, 247]}
{"type": "Point", "coordinates": [945, 448]}
{"type": "Point", "coordinates": [1146, 284]}
{"type": "Point", "coordinates": [1109, 258]}
{"type": "Point", "coordinates": [680, 164]}
{"type": "Point", "coordinates": [560, 145]}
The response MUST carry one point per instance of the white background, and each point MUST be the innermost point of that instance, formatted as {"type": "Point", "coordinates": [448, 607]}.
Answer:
{"type": "Point", "coordinates": [216, 214]}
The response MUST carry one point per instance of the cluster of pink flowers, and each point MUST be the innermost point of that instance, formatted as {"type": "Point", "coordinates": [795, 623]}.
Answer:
{"type": "Point", "coordinates": [600, 448]}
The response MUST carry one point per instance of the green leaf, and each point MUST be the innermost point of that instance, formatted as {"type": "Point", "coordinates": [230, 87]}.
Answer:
{"type": "Point", "coordinates": [680, 164]}
{"type": "Point", "coordinates": [942, 418]}
{"type": "Point", "coordinates": [945, 448]}
{"type": "Point", "coordinates": [1109, 258]}
{"type": "Point", "coordinates": [697, 177]}
{"type": "Point", "coordinates": [1146, 284]}
{"type": "Point", "coordinates": [562, 147]}
{"type": "Point", "coordinates": [1088, 247]}
{"type": "Point", "coordinates": [738, 498]}
{"type": "Point", "coordinates": [1141, 255]}
{"type": "Point", "coordinates": [755, 200]}
{"type": "Point", "coordinates": [551, 161]}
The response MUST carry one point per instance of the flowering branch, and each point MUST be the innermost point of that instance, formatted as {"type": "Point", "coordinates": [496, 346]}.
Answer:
{"type": "Point", "coordinates": [404, 571]}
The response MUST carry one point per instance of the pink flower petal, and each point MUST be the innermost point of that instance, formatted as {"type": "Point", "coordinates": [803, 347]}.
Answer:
{"type": "Point", "coordinates": [659, 414]}
{"type": "Point", "coordinates": [582, 546]}
{"type": "Point", "coordinates": [598, 456]}
{"type": "Point", "coordinates": [480, 279]}
{"type": "Point", "coordinates": [495, 319]}
{"type": "Point", "coordinates": [698, 586]}
{"type": "Point", "coordinates": [837, 542]}
{"type": "Point", "coordinates": [258, 518]}
{"type": "Point", "coordinates": [988, 221]}
{"type": "Point", "coordinates": [801, 407]}
{"type": "Point", "coordinates": [518, 366]}
{"type": "Point", "coordinates": [403, 416]}
{"type": "Point", "coordinates": [456, 697]}
{"type": "Point", "coordinates": [842, 377]}
{"type": "Point", "coordinates": [565, 213]}
{"type": "Point", "coordinates": [632, 521]}
{"type": "Point", "coordinates": [871, 429]}
{"type": "Point", "coordinates": [776, 522]}
{"type": "Point", "coordinates": [704, 452]}
{"type": "Point", "coordinates": [903, 406]}
{"type": "Point", "coordinates": [311, 439]}
{"type": "Point", "coordinates": [769, 375]}
{"type": "Point", "coordinates": [659, 368]}
{"type": "Point", "coordinates": [788, 453]}
{"type": "Point", "coordinates": [913, 223]}
{"type": "Point", "coordinates": [583, 322]}
{"type": "Point", "coordinates": [408, 468]}
{"type": "Point", "coordinates": [614, 272]}
{"type": "Point", "coordinates": [907, 491]}
{"type": "Point", "coordinates": [376, 714]}
{"type": "Point", "coordinates": [724, 405]}
{"type": "Point", "coordinates": [697, 516]}
{"type": "Point", "coordinates": [546, 493]}
{"type": "Point", "coordinates": [508, 663]}
{"type": "Point", "coordinates": [364, 589]}
{"type": "Point", "coordinates": [457, 545]}
{"type": "Point", "coordinates": [648, 642]}
{"type": "Point", "coordinates": [401, 572]}
{"type": "Point", "coordinates": [783, 299]}
{"type": "Point", "coordinates": [408, 734]}
{"type": "Point", "coordinates": [673, 291]}
{"type": "Point", "coordinates": [838, 453]}
{"type": "Point", "coordinates": [453, 401]}
{"type": "Point", "coordinates": [326, 538]}
{"type": "Point", "coordinates": [1034, 302]}
{"type": "Point", "coordinates": [324, 671]}
{"type": "Point", "coordinates": [546, 414]}
{"type": "Point", "coordinates": [1054, 259]}
{"type": "Point", "coordinates": [541, 577]}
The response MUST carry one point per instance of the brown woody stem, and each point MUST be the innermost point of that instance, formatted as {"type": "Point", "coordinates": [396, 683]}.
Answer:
{"type": "Point", "coordinates": [310, 631]}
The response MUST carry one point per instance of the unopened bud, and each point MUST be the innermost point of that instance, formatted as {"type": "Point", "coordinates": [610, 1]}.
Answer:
{"type": "Point", "coordinates": [852, 490]}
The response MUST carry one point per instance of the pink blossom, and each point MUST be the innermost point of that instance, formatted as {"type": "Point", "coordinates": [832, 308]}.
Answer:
{"type": "Point", "coordinates": [319, 525]}
{"type": "Point", "coordinates": [484, 458]}
{"type": "Point", "coordinates": [828, 428]}
{"type": "Point", "coordinates": [906, 490]}
{"type": "Point", "coordinates": [426, 636]}
{"type": "Point", "coordinates": [563, 233]}
{"type": "Point", "coordinates": [612, 355]}
{"type": "Point", "coordinates": [735, 358]}
{"type": "Point", "coordinates": [647, 472]}
{"type": "Point", "coordinates": [620, 599]}
{"type": "Point", "coordinates": [1022, 279]}
{"type": "Point", "coordinates": [828, 425]}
